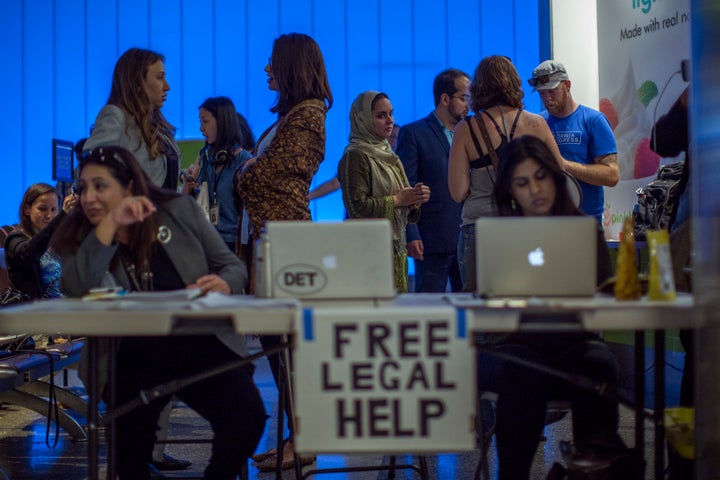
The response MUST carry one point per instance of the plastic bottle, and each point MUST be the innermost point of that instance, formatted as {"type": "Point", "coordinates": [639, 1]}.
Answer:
{"type": "Point", "coordinates": [661, 283]}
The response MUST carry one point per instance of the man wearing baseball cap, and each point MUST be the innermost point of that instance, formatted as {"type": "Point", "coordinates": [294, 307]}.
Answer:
{"type": "Point", "coordinates": [583, 135]}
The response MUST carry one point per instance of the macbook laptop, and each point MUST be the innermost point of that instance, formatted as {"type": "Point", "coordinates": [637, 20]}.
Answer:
{"type": "Point", "coordinates": [536, 256]}
{"type": "Point", "coordinates": [340, 260]}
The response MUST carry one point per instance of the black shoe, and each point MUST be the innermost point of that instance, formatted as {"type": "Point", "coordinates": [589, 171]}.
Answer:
{"type": "Point", "coordinates": [169, 463]}
{"type": "Point", "coordinates": [552, 416]}
{"type": "Point", "coordinates": [583, 465]}
{"type": "Point", "coordinates": [558, 472]}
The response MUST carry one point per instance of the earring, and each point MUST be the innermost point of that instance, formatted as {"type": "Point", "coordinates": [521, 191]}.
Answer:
{"type": "Point", "coordinates": [513, 205]}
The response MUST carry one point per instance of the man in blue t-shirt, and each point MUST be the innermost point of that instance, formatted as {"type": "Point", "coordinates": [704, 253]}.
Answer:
{"type": "Point", "coordinates": [583, 135]}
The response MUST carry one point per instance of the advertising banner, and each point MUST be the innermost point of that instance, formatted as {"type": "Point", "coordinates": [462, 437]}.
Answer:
{"type": "Point", "coordinates": [384, 380]}
{"type": "Point", "coordinates": [641, 45]}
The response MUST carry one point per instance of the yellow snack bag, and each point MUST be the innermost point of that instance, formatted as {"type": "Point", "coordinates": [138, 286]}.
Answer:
{"type": "Point", "coordinates": [627, 283]}
{"type": "Point", "coordinates": [661, 283]}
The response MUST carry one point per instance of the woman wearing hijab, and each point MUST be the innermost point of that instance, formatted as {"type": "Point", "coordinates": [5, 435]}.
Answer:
{"type": "Point", "coordinates": [373, 181]}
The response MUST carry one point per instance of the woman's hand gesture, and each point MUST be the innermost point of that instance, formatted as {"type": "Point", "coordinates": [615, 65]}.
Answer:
{"type": "Point", "coordinates": [69, 202]}
{"type": "Point", "coordinates": [131, 210]}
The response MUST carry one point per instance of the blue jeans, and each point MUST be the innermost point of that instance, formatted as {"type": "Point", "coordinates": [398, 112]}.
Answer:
{"type": "Point", "coordinates": [433, 272]}
{"type": "Point", "coordinates": [466, 257]}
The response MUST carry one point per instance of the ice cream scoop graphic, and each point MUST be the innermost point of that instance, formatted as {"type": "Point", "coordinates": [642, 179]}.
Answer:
{"type": "Point", "coordinates": [610, 112]}
{"type": "Point", "coordinates": [647, 162]}
{"type": "Point", "coordinates": [633, 123]}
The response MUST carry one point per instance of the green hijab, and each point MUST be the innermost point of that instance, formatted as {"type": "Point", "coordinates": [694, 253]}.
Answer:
{"type": "Point", "coordinates": [388, 174]}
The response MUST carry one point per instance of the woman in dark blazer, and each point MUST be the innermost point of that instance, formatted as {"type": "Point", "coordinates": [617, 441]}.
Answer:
{"type": "Point", "coordinates": [131, 232]}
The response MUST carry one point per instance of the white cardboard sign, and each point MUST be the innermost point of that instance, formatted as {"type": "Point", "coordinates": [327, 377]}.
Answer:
{"type": "Point", "coordinates": [386, 379]}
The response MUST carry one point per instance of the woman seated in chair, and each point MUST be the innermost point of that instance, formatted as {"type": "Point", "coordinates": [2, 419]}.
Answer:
{"type": "Point", "coordinates": [530, 183]}
{"type": "Point", "coordinates": [32, 267]}
{"type": "Point", "coordinates": [130, 231]}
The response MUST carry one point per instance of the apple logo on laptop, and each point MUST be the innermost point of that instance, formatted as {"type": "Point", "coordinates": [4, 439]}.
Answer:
{"type": "Point", "coordinates": [536, 257]}
{"type": "Point", "coordinates": [329, 262]}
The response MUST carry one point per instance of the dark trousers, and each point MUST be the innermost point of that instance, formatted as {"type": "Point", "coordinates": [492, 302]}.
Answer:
{"type": "Point", "coordinates": [268, 342]}
{"type": "Point", "coordinates": [432, 273]}
{"type": "Point", "coordinates": [523, 394]}
{"type": "Point", "coordinates": [230, 402]}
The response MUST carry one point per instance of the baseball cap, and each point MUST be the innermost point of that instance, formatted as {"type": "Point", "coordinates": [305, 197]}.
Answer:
{"type": "Point", "coordinates": [548, 75]}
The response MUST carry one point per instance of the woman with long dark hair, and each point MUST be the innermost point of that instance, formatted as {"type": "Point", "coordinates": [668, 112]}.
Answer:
{"type": "Point", "coordinates": [130, 232]}
{"type": "Point", "coordinates": [275, 183]}
{"type": "Point", "coordinates": [530, 183]}
{"type": "Point", "coordinates": [217, 162]}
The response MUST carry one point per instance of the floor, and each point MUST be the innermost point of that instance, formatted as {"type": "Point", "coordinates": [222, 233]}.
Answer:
{"type": "Point", "coordinates": [24, 453]}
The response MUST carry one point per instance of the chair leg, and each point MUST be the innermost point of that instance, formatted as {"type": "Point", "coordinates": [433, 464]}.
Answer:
{"type": "Point", "coordinates": [423, 467]}
{"type": "Point", "coordinates": [484, 434]}
{"type": "Point", "coordinates": [245, 473]}
{"type": "Point", "coordinates": [482, 472]}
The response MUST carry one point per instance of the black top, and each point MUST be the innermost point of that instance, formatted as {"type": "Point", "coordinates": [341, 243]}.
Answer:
{"type": "Point", "coordinates": [22, 256]}
{"type": "Point", "coordinates": [486, 160]}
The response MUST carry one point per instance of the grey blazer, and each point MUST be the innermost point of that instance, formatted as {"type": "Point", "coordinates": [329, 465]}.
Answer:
{"type": "Point", "coordinates": [193, 245]}
{"type": "Point", "coordinates": [115, 127]}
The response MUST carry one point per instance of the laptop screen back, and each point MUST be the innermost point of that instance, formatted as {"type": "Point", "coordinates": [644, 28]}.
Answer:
{"type": "Point", "coordinates": [339, 260]}
{"type": "Point", "coordinates": [536, 256]}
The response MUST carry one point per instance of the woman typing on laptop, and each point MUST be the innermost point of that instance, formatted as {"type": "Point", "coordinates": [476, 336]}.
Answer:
{"type": "Point", "coordinates": [531, 183]}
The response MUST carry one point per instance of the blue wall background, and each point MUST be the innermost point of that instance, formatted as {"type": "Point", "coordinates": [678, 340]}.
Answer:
{"type": "Point", "coordinates": [58, 57]}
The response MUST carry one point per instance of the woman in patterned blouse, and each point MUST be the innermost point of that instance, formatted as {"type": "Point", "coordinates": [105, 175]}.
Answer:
{"type": "Point", "coordinates": [274, 184]}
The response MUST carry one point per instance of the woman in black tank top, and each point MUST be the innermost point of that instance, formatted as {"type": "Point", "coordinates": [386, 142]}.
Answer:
{"type": "Point", "coordinates": [496, 91]}
{"type": "Point", "coordinates": [478, 145]}
{"type": "Point", "coordinates": [486, 159]}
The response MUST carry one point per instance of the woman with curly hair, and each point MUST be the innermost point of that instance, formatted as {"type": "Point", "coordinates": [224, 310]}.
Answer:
{"type": "Point", "coordinates": [480, 140]}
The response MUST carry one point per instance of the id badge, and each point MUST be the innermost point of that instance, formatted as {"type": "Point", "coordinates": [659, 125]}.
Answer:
{"type": "Point", "coordinates": [214, 213]}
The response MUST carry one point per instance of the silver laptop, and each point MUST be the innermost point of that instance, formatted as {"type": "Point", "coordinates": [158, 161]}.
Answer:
{"type": "Point", "coordinates": [536, 256]}
{"type": "Point", "coordinates": [340, 260]}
